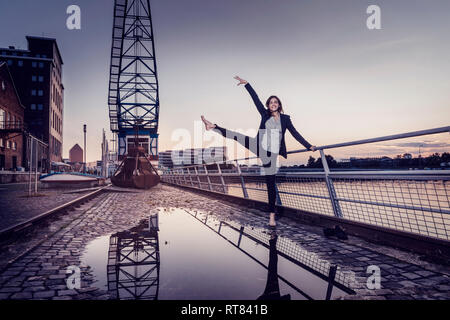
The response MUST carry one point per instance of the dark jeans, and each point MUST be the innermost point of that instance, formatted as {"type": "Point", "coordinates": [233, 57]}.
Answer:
{"type": "Point", "coordinates": [266, 157]}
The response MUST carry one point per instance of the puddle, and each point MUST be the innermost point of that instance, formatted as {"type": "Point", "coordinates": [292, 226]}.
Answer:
{"type": "Point", "coordinates": [96, 256]}
{"type": "Point", "coordinates": [194, 256]}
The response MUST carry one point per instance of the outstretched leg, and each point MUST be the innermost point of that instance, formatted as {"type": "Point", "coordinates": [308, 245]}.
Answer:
{"type": "Point", "coordinates": [246, 141]}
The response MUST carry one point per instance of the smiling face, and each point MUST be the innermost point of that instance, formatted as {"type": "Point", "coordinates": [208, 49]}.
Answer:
{"type": "Point", "coordinates": [274, 104]}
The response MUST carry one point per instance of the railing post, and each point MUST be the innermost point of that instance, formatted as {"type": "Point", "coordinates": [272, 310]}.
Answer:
{"type": "Point", "coordinates": [179, 176]}
{"type": "Point", "coordinates": [331, 277]}
{"type": "Point", "coordinates": [244, 189]}
{"type": "Point", "coordinates": [241, 232]}
{"type": "Point", "coordinates": [190, 176]}
{"type": "Point", "coordinates": [221, 178]}
{"type": "Point", "coordinates": [198, 178]}
{"type": "Point", "coordinates": [207, 176]}
{"type": "Point", "coordinates": [335, 204]}
{"type": "Point", "coordinates": [184, 176]}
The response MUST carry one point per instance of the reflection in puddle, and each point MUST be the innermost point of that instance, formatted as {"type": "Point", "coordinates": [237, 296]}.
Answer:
{"type": "Point", "coordinates": [189, 259]}
{"type": "Point", "coordinates": [133, 263]}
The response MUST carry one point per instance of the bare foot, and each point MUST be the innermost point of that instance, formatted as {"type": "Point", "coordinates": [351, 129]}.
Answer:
{"type": "Point", "coordinates": [272, 222]}
{"type": "Point", "coordinates": [208, 125]}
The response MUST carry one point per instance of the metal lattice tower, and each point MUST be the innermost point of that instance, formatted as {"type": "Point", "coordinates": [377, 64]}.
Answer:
{"type": "Point", "coordinates": [133, 97]}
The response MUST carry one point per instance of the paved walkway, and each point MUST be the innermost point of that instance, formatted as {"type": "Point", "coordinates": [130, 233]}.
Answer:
{"type": "Point", "coordinates": [16, 206]}
{"type": "Point", "coordinates": [40, 273]}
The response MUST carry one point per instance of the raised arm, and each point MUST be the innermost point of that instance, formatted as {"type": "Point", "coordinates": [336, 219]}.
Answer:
{"type": "Point", "coordinates": [298, 136]}
{"type": "Point", "coordinates": [253, 94]}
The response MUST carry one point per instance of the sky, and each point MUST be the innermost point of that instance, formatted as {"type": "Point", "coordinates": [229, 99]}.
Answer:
{"type": "Point", "coordinates": [338, 80]}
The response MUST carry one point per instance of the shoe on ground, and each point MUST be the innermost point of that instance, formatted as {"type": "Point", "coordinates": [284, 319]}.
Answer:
{"type": "Point", "coordinates": [340, 233]}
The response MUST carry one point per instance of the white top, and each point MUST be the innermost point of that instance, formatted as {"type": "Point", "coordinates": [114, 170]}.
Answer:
{"type": "Point", "coordinates": [271, 139]}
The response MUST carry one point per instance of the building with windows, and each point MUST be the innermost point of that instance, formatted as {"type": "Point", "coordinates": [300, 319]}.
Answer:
{"type": "Point", "coordinates": [37, 75]}
{"type": "Point", "coordinates": [11, 122]}
{"type": "Point", "coordinates": [187, 157]}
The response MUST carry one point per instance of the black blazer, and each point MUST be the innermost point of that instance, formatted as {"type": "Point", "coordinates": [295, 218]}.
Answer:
{"type": "Point", "coordinates": [286, 123]}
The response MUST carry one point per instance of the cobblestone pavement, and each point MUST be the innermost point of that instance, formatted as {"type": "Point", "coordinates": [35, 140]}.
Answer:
{"type": "Point", "coordinates": [40, 273]}
{"type": "Point", "coordinates": [16, 206]}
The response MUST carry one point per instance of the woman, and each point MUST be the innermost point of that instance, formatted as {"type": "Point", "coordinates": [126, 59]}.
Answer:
{"type": "Point", "coordinates": [269, 142]}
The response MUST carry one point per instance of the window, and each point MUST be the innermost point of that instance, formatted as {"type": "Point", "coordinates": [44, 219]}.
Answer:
{"type": "Point", "coordinates": [20, 63]}
{"type": "Point", "coordinates": [34, 64]}
{"type": "Point", "coordinates": [38, 56]}
{"type": "Point", "coordinates": [10, 62]}
{"type": "Point", "coordinates": [33, 92]}
{"type": "Point", "coordinates": [33, 78]}
{"type": "Point", "coordinates": [3, 85]}
{"type": "Point", "coordinates": [33, 106]}
{"type": "Point", "coordinates": [1, 143]}
{"type": "Point", "coordinates": [8, 144]}
{"type": "Point", "coordinates": [14, 145]}
{"type": "Point", "coordinates": [40, 93]}
{"type": "Point", "coordinates": [41, 78]}
{"type": "Point", "coordinates": [40, 106]}
{"type": "Point", "coordinates": [41, 64]}
{"type": "Point", "coordinates": [2, 118]}
{"type": "Point", "coordinates": [44, 56]}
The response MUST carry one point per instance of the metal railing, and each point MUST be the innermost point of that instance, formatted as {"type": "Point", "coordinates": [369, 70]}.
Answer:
{"type": "Point", "coordinates": [415, 201]}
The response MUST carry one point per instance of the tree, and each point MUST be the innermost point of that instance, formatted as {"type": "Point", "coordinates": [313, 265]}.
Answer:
{"type": "Point", "coordinates": [433, 160]}
{"type": "Point", "coordinates": [330, 160]}
{"type": "Point", "coordinates": [311, 161]}
{"type": "Point", "coordinates": [445, 157]}
{"type": "Point", "coordinates": [407, 156]}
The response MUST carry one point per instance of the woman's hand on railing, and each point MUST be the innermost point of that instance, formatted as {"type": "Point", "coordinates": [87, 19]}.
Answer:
{"type": "Point", "coordinates": [241, 81]}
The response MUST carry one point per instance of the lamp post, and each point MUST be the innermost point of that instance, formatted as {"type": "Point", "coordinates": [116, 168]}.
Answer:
{"type": "Point", "coordinates": [84, 130]}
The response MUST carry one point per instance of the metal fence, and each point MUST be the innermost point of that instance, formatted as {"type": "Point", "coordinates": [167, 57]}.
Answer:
{"type": "Point", "coordinates": [415, 201]}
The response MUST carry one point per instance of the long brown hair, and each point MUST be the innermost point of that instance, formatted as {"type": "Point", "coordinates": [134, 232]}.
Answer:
{"type": "Point", "coordinates": [280, 108]}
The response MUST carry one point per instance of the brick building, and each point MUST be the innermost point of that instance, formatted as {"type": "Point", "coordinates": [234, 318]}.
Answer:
{"type": "Point", "coordinates": [76, 154]}
{"type": "Point", "coordinates": [37, 75]}
{"type": "Point", "coordinates": [11, 122]}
